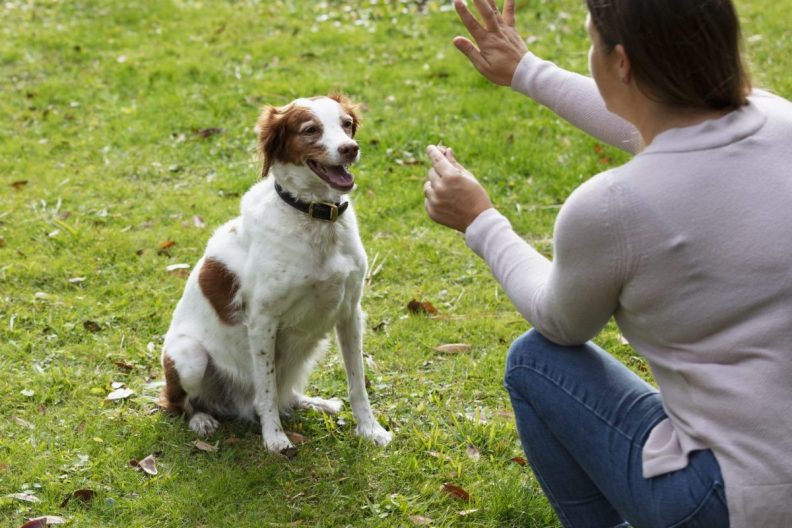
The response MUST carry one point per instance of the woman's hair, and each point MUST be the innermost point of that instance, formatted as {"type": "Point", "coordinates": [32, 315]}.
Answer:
{"type": "Point", "coordinates": [683, 53]}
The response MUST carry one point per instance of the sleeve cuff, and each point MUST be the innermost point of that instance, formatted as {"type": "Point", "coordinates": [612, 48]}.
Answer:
{"type": "Point", "coordinates": [476, 233]}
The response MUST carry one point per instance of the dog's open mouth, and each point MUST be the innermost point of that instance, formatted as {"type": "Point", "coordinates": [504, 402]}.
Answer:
{"type": "Point", "coordinates": [337, 176]}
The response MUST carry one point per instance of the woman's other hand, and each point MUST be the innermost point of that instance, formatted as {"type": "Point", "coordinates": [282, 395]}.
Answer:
{"type": "Point", "coordinates": [452, 195]}
{"type": "Point", "coordinates": [498, 47]}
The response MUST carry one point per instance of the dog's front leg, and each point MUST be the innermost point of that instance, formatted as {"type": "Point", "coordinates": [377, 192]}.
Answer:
{"type": "Point", "coordinates": [262, 334]}
{"type": "Point", "coordinates": [350, 339]}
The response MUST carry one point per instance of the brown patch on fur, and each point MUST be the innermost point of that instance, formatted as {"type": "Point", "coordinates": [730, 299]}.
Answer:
{"type": "Point", "coordinates": [351, 109]}
{"type": "Point", "coordinates": [220, 286]}
{"type": "Point", "coordinates": [279, 136]}
{"type": "Point", "coordinates": [173, 395]}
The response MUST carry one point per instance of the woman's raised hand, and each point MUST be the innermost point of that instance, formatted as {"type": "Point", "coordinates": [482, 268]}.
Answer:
{"type": "Point", "coordinates": [498, 47]}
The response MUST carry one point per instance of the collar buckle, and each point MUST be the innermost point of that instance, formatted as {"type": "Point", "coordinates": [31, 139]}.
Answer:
{"type": "Point", "coordinates": [323, 211]}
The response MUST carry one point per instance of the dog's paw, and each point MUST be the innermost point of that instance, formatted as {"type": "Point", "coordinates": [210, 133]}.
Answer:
{"type": "Point", "coordinates": [277, 442]}
{"type": "Point", "coordinates": [374, 432]}
{"type": "Point", "coordinates": [203, 424]}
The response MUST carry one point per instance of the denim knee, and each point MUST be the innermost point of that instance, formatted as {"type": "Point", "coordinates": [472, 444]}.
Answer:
{"type": "Point", "coordinates": [521, 349]}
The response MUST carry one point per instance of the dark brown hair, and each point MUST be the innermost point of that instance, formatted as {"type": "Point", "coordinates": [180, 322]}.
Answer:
{"type": "Point", "coordinates": [683, 53]}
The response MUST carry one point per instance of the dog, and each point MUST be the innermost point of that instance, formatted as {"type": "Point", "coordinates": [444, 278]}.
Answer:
{"type": "Point", "coordinates": [273, 283]}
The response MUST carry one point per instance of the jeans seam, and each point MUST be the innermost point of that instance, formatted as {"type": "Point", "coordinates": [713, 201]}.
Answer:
{"type": "Point", "coordinates": [701, 504]}
{"type": "Point", "coordinates": [576, 399]}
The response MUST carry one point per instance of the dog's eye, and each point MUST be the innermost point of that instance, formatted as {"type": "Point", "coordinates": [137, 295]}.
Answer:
{"type": "Point", "coordinates": [309, 130]}
{"type": "Point", "coordinates": [348, 123]}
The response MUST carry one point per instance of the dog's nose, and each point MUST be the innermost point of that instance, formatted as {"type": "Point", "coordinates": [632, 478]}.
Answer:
{"type": "Point", "coordinates": [349, 150]}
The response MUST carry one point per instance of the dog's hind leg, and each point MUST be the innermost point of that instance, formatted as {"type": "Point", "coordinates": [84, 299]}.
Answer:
{"type": "Point", "coordinates": [184, 360]}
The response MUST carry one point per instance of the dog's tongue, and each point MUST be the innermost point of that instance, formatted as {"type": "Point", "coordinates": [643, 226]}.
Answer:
{"type": "Point", "coordinates": [339, 177]}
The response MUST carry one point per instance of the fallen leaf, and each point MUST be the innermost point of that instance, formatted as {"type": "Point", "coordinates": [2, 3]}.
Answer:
{"type": "Point", "coordinates": [455, 491]}
{"type": "Point", "coordinates": [425, 307]}
{"type": "Point", "coordinates": [232, 440]}
{"type": "Point", "coordinates": [296, 438]}
{"type": "Point", "coordinates": [35, 523]}
{"type": "Point", "coordinates": [519, 460]}
{"type": "Point", "coordinates": [24, 497]}
{"type": "Point", "coordinates": [208, 132]}
{"type": "Point", "coordinates": [147, 465]}
{"type": "Point", "coordinates": [24, 423]}
{"type": "Point", "coordinates": [473, 453]}
{"type": "Point", "coordinates": [200, 445]}
{"type": "Point", "coordinates": [123, 365]}
{"type": "Point", "coordinates": [46, 520]}
{"type": "Point", "coordinates": [420, 520]}
{"type": "Point", "coordinates": [81, 495]}
{"type": "Point", "coordinates": [91, 326]}
{"type": "Point", "coordinates": [289, 452]}
{"type": "Point", "coordinates": [453, 348]}
{"type": "Point", "coordinates": [2, 242]}
{"type": "Point", "coordinates": [119, 394]}
{"type": "Point", "coordinates": [463, 513]}
{"type": "Point", "coordinates": [19, 184]}
{"type": "Point", "coordinates": [175, 267]}
{"type": "Point", "coordinates": [198, 222]}
{"type": "Point", "coordinates": [167, 244]}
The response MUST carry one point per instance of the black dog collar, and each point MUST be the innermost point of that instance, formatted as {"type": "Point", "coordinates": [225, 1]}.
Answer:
{"type": "Point", "coordinates": [326, 211]}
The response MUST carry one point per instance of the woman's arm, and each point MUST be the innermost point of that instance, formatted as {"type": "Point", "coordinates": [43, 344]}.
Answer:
{"type": "Point", "coordinates": [575, 98]}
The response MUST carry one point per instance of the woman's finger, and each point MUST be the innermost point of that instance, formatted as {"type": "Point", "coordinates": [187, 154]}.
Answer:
{"type": "Point", "coordinates": [508, 12]}
{"type": "Point", "coordinates": [474, 28]}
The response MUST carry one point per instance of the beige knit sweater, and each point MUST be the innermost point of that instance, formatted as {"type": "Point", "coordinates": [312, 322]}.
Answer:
{"type": "Point", "coordinates": [689, 247]}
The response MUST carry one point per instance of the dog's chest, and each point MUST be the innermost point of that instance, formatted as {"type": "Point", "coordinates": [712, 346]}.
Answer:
{"type": "Point", "coordinates": [314, 293]}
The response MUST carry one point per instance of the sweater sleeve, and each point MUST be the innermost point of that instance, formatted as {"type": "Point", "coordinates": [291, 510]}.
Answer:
{"type": "Point", "coordinates": [575, 98]}
{"type": "Point", "coordinates": [568, 299]}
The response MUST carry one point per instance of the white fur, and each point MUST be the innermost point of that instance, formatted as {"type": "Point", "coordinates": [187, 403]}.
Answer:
{"type": "Point", "coordinates": [299, 279]}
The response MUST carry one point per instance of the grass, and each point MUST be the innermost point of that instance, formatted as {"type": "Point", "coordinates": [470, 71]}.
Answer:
{"type": "Point", "coordinates": [103, 162]}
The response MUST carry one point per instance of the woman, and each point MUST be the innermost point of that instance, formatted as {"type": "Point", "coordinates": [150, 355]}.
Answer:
{"type": "Point", "coordinates": [688, 246]}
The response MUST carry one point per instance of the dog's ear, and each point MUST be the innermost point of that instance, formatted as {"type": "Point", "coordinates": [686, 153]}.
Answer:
{"type": "Point", "coordinates": [350, 108]}
{"type": "Point", "coordinates": [271, 130]}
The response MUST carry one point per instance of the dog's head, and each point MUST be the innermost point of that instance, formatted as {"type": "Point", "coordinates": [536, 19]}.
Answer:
{"type": "Point", "coordinates": [316, 133]}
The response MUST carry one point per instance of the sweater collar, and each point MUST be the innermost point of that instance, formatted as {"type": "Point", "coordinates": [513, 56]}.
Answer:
{"type": "Point", "coordinates": [713, 133]}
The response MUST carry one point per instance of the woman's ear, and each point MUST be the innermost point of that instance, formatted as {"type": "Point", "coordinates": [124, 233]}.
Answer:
{"type": "Point", "coordinates": [623, 64]}
{"type": "Point", "coordinates": [271, 130]}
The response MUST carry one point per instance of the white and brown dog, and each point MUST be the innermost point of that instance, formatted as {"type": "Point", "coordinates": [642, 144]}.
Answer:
{"type": "Point", "coordinates": [259, 305]}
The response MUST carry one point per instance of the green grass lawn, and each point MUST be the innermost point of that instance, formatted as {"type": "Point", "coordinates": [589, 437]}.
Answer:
{"type": "Point", "coordinates": [110, 172]}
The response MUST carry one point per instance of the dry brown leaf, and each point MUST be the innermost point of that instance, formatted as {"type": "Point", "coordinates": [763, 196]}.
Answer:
{"type": "Point", "coordinates": [46, 520]}
{"type": "Point", "coordinates": [81, 495]}
{"type": "Point", "coordinates": [453, 348]}
{"type": "Point", "coordinates": [519, 460]}
{"type": "Point", "coordinates": [473, 453]}
{"type": "Point", "coordinates": [231, 440]}
{"type": "Point", "coordinates": [204, 133]}
{"type": "Point", "coordinates": [23, 423]}
{"type": "Point", "coordinates": [19, 184]}
{"type": "Point", "coordinates": [424, 307]}
{"type": "Point", "coordinates": [296, 438]}
{"type": "Point", "coordinates": [420, 520]}
{"type": "Point", "coordinates": [147, 465]}
{"type": "Point", "coordinates": [91, 326]}
{"type": "Point", "coordinates": [35, 523]}
{"type": "Point", "coordinates": [200, 445]}
{"type": "Point", "coordinates": [167, 244]}
{"type": "Point", "coordinates": [455, 491]}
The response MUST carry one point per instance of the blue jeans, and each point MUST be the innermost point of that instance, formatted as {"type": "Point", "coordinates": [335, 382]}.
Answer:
{"type": "Point", "coordinates": [583, 419]}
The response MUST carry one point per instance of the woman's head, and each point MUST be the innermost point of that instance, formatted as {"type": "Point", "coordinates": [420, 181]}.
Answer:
{"type": "Point", "coordinates": [682, 53]}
